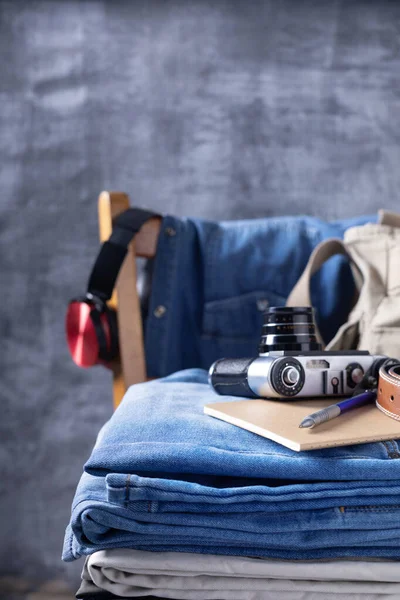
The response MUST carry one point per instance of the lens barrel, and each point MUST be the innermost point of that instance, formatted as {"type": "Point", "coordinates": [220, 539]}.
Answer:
{"type": "Point", "coordinates": [289, 328]}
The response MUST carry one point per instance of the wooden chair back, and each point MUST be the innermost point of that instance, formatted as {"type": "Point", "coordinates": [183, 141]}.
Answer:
{"type": "Point", "coordinates": [130, 366]}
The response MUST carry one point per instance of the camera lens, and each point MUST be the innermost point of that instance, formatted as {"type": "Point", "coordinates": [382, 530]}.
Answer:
{"type": "Point", "coordinates": [289, 328]}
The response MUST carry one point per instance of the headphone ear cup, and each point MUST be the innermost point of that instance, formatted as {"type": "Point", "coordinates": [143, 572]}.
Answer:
{"type": "Point", "coordinates": [82, 332]}
{"type": "Point", "coordinates": [92, 332]}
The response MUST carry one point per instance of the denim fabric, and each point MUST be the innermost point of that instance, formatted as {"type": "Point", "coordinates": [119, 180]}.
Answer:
{"type": "Point", "coordinates": [184, 481]}
{"type": "Point", "coordinates": [216, 279]}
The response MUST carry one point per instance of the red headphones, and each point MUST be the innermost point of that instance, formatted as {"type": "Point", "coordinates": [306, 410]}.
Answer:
{"type": "Point", "coordinates": [91, 326]}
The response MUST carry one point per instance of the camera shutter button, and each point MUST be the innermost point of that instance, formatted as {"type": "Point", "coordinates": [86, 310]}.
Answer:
{"type": "Point", "coordinates": [290, 376]}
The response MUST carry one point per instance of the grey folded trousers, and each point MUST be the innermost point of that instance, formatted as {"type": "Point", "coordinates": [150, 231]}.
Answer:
{"type": "Point", "coordinates": [182, 576]}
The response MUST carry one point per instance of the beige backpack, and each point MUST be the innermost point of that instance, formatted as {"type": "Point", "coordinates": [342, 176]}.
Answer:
{"type": "Point", "coordinates": [374, 252]}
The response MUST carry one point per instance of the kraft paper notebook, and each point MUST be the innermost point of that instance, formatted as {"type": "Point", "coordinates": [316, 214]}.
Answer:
{"type": "Point", "coordinates": [279, 421]}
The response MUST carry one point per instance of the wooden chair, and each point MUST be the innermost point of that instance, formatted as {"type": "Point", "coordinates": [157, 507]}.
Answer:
{"type": "Point", "coordinates": [130, 366]}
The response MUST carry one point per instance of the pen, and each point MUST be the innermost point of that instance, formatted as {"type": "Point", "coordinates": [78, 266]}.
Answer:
{"type": "Point", "coordinates": [335, 410]}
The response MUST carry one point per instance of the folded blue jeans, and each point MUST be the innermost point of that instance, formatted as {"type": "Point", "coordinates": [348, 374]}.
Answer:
{"type": "Point", "coordinates": [165, 476]}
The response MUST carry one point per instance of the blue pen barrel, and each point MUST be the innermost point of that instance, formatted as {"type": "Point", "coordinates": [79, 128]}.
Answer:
{"type": "Point", "coordinates": [335, 410]}
{"type": "Point", "coordinates": [355, 401]}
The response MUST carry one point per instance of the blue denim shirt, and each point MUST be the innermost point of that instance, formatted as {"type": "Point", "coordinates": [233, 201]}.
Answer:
{"type": "Point", "coordinates": [215, 279]}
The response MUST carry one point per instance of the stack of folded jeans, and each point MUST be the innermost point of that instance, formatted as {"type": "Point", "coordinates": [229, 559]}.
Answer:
{"type": "Point", "coordinates": [166, 478]}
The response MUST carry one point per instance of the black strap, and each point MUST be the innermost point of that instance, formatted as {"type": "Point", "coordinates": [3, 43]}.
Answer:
{"type": "Point", "coordinates": [112, 253]}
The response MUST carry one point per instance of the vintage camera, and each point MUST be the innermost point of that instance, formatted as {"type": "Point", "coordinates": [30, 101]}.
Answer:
{"type": "Point", "coordinates": [291, 362]}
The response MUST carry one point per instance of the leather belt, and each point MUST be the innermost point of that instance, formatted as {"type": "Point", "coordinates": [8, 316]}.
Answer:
{"type": "Point", "coordinates": [388, 398]}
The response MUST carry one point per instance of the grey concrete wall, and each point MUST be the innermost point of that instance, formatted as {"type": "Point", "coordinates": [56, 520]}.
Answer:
{"type": "Point", "coordinates": [220, 109]}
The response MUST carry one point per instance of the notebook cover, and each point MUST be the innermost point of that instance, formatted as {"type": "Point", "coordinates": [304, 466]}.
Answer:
{"type": "Point", "coordinates": [279, 421]}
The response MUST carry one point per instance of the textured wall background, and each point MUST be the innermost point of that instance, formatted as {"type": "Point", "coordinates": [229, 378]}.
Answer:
{"type": "Point", "coordinates": [220, 109]}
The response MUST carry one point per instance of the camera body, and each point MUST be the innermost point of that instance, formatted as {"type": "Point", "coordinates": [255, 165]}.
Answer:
{"type": "Point", "coordinates": [291, 363]}
{"type": "Point", "coordinates": [291, 375]}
